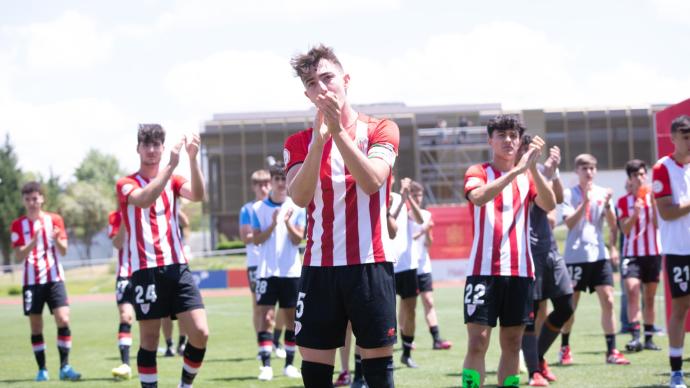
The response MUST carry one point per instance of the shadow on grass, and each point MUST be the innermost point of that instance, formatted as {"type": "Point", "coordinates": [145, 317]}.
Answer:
{"type": "Point", "coordinates": [649, 386]}
{"type": "Point", "coordinates": [82, 380]}
{"type": "Point", "coordinates": [459, 374]}
{"type": "Point", "coordinates": [236, 359]}
{"type": "Point", "coordinates": [16, 381]}
{"type": "Point", "coordinates": [234, 378]}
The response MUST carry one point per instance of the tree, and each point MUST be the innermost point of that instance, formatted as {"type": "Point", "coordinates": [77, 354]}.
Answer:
{"type": "Point", "coordinates": [99, 168]}
{"type": "Point", "coordinates": [85, 207]}
{"type": "Point", "coordinates": [10, 198]}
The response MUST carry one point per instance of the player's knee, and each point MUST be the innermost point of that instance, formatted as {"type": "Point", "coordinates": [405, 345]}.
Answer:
{"type": "Point", "coordinates": [511, 343]}
{"type": "Point", "coordinates": [478, 344]}
{"type": "Point", "coordinates": [562, 311]}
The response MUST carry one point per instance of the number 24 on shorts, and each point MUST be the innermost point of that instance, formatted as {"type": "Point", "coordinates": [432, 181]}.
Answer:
{"type": "Point", "coordinates": [150, 295]}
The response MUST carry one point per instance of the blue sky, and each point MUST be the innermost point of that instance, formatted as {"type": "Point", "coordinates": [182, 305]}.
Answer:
{"type": "Point", "coordinates": [76, 75]}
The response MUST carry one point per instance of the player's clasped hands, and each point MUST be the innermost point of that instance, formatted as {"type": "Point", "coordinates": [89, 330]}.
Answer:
{"type": "Point", "coordinates": [328, 104]}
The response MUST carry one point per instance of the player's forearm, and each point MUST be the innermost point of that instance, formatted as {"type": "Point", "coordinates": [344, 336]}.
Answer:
{"type": "Point", "coordinates": [392, 226]}
{"type": "Point", "coordinates": [147, 196]}
{"type": "Point", "coordinates": [197, 181]}
{"type": "Point", "coordinates": [61, 245]}
{"type": "Point", "coordinates": [557, 187]}
{"type": "Point", "coordinates": [118, 239]}
{"type": "Point", "coordinates": [671, 211]}
{"type": "Point", "coordinates": [22, 252]}
{"type": "Point", "coordinates": [359, 165]}
{"type": "Point", "coordinates": [416, 212]}
{"type": "Point", "coordinates": [572, 220]}
{"type": "Point", "coordinates": [628, 223]}
{"type": "Point", "coordinates": [302, 187]}
{"type": "Point", "coordinates": [294, 233]}
{"type": "Point", "coordinates": [261, 236]}
{"type": "Point", "coordinates": [485, 193]}
{"type": "Point", "coordinates": [396, 212]}
{"type": "Point", "coordinates": [545, 196]}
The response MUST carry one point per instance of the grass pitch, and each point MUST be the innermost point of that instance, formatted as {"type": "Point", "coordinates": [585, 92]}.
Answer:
{"type": "Point", "coordinates": [230, 359]}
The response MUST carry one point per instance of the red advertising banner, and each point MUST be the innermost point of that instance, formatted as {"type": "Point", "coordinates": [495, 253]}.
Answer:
{"type": "Point", "coordinates": [663, 121]}
{"type": "Point", "coordinates": [452, 232]}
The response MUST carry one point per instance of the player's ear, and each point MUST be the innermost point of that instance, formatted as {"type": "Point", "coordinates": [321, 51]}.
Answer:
{"type": "Point", "coordinates": [346, 81]}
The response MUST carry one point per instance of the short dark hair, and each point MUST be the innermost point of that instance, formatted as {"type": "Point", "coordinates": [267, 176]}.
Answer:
{"type": "Point", "coordinates": [681, 123]}
{"type": "Point", "coordinates": [416, 187]}
{"type": "Point", "coordinates": [277, 169]}
{"type": "Point", "coordinates": [505, 123]}
{"type": "Point", "coordinates": [149, 133]}
{"type": "Point", "coordinates": [32, 187]}
{"type": "Point", "coordinates": [634, 166]}
{"type": "Point", "coordinates": [304, 64]}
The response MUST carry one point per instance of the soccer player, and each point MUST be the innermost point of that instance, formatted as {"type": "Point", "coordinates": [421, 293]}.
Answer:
{"type": "Point", "coordinates": [162, 282]}
{"type": "Point", "coordinates": [402, 210]}
{"type": "Point", "coordinates": [123, 294]}
{"type": "Point", "coordinates": [671, 186]}
{"type": "Point", "coordinates": [585, 207]}
{"type": "Point", "coordinates": [39, 240]}
{"type": "Point", "coordinates": [641, 263]}
{"type": "Point", "coordinates": [340, 171]}
{"type": "Point", "coordinates": [278, 226]}
{"type": "Point", "coordinates": [551, 280]}
{"type": "Point", "coordinates": [422, 239]}
{"type": "Point", "coordinates": [500, 271]}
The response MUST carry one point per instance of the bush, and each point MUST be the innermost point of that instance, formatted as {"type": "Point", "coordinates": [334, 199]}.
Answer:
{"type": "Point", "coordinates": [14, 291]}
{"type": "Point", "coordinates": [234, 244]}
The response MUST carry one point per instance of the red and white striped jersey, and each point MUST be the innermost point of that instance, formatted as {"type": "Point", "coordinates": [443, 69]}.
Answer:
{"type": "Point", "coordinates": [345, 226]}
{"type": "Point", "coordinates": [643, 239]}
{"type": "Point", "coordinates": [42, 264]}
{"type": "Point", "coordinates": [500, 245]}
{"type": "Point", "coordinates": [123, 268]}
{"type": "Point", "coordinates": [672, 179]}
{"type": "Point", "coordinates": [153, 234]}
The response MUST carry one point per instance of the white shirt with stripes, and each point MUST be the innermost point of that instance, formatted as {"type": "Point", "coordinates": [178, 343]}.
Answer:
{"type": "Point", "coordinates": [42, 264]}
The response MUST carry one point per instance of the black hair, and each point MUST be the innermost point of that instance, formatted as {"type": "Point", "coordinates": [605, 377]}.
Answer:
{"type": "Point", "coordinates": [277, 169]}
{"type": "Point", "coordinates": [634, 166]}
{"type": "Point", "coordinates": [32, 187]}
{"type": "Point", "coordinates": [149, 133]}
{"type": "Point", "coordinates": [681, 123]}
{"type": "Point", "coordinates": [505, 123]}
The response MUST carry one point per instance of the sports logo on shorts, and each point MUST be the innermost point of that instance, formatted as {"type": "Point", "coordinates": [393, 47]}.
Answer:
{"type": "Point", "coordinates": [298, 327]}
{"type": "Point", "coordinates": [657, 186]}
{"type": "Point", "coordinates": [145, 307]}
{"type": "Point", "coordinates": [683, 286]}
{"type": "Point", "coordinates": [471, 308]}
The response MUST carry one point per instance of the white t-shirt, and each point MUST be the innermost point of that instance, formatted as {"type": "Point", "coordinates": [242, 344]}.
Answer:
{"type": "Point", "coordinates": [585, 241]}
{"type": "Point", "coordinates": [419, 249]}
{"type": "Point", "coordinates": [403, 237]}
{"type": "Point", "coordinates": [279, 256]}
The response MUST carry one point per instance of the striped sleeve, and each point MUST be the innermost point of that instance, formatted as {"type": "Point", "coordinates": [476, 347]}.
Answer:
{"type": "Point", "coordinates": [661, 182]}
{"type": "Point", "coordinates": [16, 235]}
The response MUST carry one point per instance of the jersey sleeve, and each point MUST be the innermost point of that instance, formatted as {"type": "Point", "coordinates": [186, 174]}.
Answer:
{"type": "Point", "coordinates": [300, 218]}
{"type": "Point", "coordinates": [661, 181]}
{"type": "Point", "coordinates": [255, 220]}
{"type": "Point", "coordinates": [384, 141]}
{"type": "Point", "coordinates": [246, 215]}
{"type": "Point", "coordinates": [296, 148]}
{"type": "Point", "coordinates": [474, 177]}
{"type": "Point", "coordinates": [114, 222]}
{"type": "Point", "coordinates": [16, 235]}
{"type": "Point", "coordinates": [567, 208]}
{"type": "Point", "coordinates": [177, 181]}
{"type": "Point", "coordinates": [58, 222]}
{"type": "Point", "coordinates": [124, 187]}
{"type": "Point", "coordinates": [622, 208]}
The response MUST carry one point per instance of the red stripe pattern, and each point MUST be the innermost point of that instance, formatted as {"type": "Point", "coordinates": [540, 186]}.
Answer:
{"type": "Point", "coordinates": [42, 264]}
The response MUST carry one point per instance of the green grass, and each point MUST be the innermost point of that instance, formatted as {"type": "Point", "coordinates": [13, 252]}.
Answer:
{"type": "Point", "coordinates": [230, 360]}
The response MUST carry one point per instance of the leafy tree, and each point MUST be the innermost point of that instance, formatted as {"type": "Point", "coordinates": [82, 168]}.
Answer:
{"type": "Point", "coordinates": [84, 207]}
{"type": "Point", "coordinates": [10, 198]}
{"type": "Point", "coordinates": [99, 168]}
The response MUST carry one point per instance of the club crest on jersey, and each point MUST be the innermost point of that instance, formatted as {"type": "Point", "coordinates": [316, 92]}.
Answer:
{"type": "Point", "coordinates": [298, 327]}
{"type": "Point", "coordinates": [14, 237]}
{"type": "Point", "coordinates": [363, 144]}
{"type": "Point", "coordinates": [683, 286]}
{"type": "Point", "coordinates": [286, 156]}
{"type": "Point", "coordinates": [657, 186]}
{"type": "Point", "coordinates": [145, 307]}
{"type": "Point", "coordinates": [471, 308]}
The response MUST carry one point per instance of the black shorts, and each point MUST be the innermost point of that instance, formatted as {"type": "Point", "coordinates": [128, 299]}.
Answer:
{"type": "Point", "coordinates": [329, 297]}
{"type": "Point", "coordinates": [406, 284]}
{"type": "Point", "coordinates": [425, 283]}
{"type": "Point", "coordinates": [591, 275]}
{"type": "Point", "coordinates": [276, 289]}
{"type": "Point", "coordinates": [678, 271]}
{"type": "Point", "coordinates": [489, 299]}
{"type": "Point", "coordinates": [53, 294]}
{"type": "Point", "coordinates": [551, 277]}
{"type": "Point", "coordinates": [645, 268]}
{"type": "Point", "coordinates": [124, 292]}
{"type": "Point", "coordinates": [251, 278]}
{"type": "Point", "coordinates": [164, 291]}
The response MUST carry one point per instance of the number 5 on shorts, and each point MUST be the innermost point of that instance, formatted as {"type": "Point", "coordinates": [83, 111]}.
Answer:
{"type": "Point", "coordinates": [299, 308]}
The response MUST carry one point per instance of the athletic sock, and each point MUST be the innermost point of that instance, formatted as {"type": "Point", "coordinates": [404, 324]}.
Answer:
{"type": "Point", "coordinates": [124, 341]}
{"type": "Point", "coordinates": [635, 330]}
{"type": "Point", "coordinates": [289, 347]}
{"type": "Point", "coordinates": [169, 343]}
{"type": "Point", "coordinates": [675, 356]}
{"type": "Point", "coordinates": [435, 333]}
{"type": "Point", "coordinates": [378, 372]}
{"type": "Point", "coordinates": [316, 375]}
{"type": "Point", "coordinates": [146, 365]}
{"type": "Point", "coordinates": [64, 343]}
{"type": "Point", "coordinates": [265, 347]}
{"type": "Point", "coordinates": [407, 344]}
{"type": "Point", "coordinates": [512, 381]}
{"type": "Point", "coordinates": [358, 367]}
{"type": "Point", "coordinates": [276, 337]}
{"type": "Point", "coordinates": [565, 339]}
{"type": "Point", "coordinates": [610, 343]}
{"type": "Point", "coordinates": [648, 332]}
{"type": "Point", "coordinates": [547, 336]}
{"type": "Point", "coordinates": [529, 350]}
{"type": "Point", "coordinates": [193, 357]}
{"type": "Point", "coordinates": [181, 340]}
{"type": "Point", "coordinates": [471, 378]}
{"type": "Point", "coordinates": [39, 347]}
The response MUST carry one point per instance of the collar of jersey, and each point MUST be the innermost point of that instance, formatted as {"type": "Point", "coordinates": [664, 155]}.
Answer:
{"type": "Point", "coordinates": [270, 203]}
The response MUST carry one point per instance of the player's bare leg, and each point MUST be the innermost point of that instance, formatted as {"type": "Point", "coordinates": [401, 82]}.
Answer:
{"type": "Point", "coordinates": [632, 290]}
{"type": "Point", "coordinates": [345, 378]}
{"type": "Point", "coordinates": [649, 314]}
{"type": "Point", "coordinates": [265, 340]}
{"type": "Point", "coordinates": [510, 338]}
{"type": "Point", "coordinates": [608, 324]}
{"type": "Point", "coordinates": [195, 325]}
{"type": "Point", "coordinates": [167, 327]}
{"type": "Point", "coordinates": [407, 329]}
{"type": "Point", "coordinates": [478, 338]}
{"type": "Point", "coordinates": [288, 315]}
{"type": "Point", "coordinates": [564, 355]}
{"type": "Point", "coordinates": [124, 340]}
{"type": "Point", "coordinates": [432, 320]}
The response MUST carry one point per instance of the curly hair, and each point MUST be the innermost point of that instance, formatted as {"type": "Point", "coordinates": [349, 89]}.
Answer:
{"type": "Point", "coordinates": [149, 133]}
{"type": "Point", "coordinates": [303, 64]}
{"type": "Point", "coordinates": [505, 123]}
